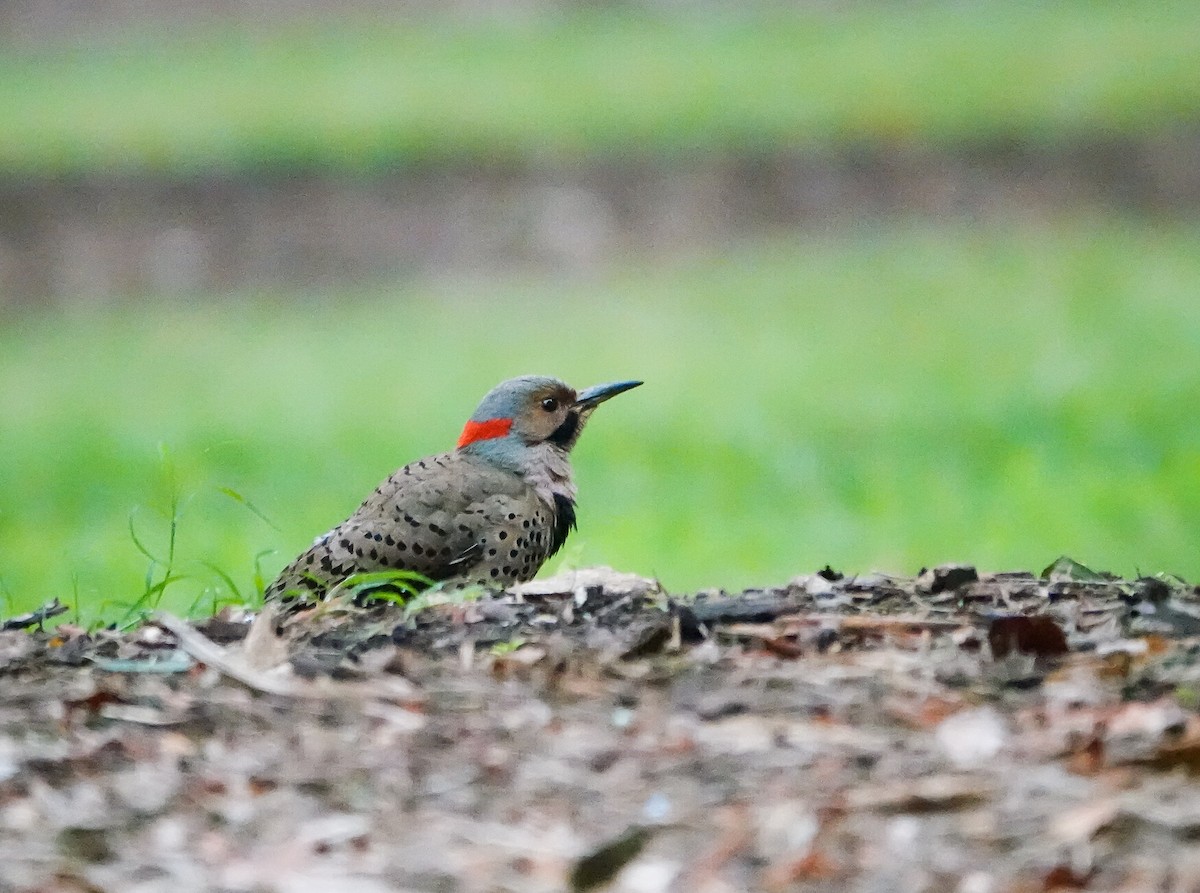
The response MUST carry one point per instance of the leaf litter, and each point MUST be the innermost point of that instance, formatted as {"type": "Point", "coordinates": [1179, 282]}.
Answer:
{"type": "Point", "coordinates": [955, 730]}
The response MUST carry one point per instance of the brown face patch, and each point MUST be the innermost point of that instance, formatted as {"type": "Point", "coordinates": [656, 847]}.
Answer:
{"type": "Point", "coordinates": [544, 412]}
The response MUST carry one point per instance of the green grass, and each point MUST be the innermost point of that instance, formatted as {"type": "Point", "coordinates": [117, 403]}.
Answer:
{"type": "Point", "coordinates": [878, 399]}
{"type": "Point", "coordinates": [360, 94]}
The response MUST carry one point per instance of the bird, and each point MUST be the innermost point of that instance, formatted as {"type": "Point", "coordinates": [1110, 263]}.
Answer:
{"type": "Point", "coordinates": [489, 512]}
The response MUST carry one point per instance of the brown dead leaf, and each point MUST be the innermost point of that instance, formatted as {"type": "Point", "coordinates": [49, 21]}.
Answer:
{"type": "Point", "coordinates": [1115, 665]}
{"type": "Point", "coordinates": [1063, 877]}
{"type": "Point", "coordinates": [1087, 755]}
{"type": "Point", "coordinates": [1179, 749]}
{"type": "Point", "coordinates": [92, 703]}
{"type": "Point", "coordinates": [938, 792]}
{"type": "Point", "coordinates": [922, 713]}
{"type": "Point", "coordinates": [782, 646]}
{"type": "Point", "coordinates": [1158, 644]}
{"type": "Point", "coordinates": [1083, 822]}
{"type": "Point", "coordinates": [1038, 635]}
{"type": "Point", "coordinates": [812, 866]}
{"type": "Point", "coordinates": [517, 662]}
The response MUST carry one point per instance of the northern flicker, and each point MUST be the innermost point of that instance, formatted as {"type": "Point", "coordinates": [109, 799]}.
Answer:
{"type": "Point", "coordinates": [491, 511]}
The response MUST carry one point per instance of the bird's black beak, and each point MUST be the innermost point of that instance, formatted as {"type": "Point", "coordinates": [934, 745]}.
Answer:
{"type": "Point", "coordinates": [590, 398]}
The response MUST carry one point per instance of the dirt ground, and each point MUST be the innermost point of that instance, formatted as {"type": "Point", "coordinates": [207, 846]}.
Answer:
{"type": "Point", "coordinates": [953, 732]}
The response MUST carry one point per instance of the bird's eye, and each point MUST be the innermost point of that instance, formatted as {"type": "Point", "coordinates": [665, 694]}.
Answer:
{"type": "Point", "coordinates": [550, 404]}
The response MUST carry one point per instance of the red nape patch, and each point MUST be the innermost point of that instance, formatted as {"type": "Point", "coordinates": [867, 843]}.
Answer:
{"type": "Point", "coordinates": [484, 431]}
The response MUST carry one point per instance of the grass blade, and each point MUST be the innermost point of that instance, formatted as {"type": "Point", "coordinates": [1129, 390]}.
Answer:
{"type": "Point", "coordinates": [250, 506]}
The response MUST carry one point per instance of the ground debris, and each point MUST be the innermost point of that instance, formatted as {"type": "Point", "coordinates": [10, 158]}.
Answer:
{"type": "Point", "coordinates": [922, 795]}
{"type": "Point", "coordinates": [958, 730]}
{"type": "Point", "coordinates": [946, 577]}
{"type": "Point", "coordinates": [1038, 635]}
{"type": "Point", "coordinates": [36, 618]}
{"type": "Point", "coordinates": [602, 864]}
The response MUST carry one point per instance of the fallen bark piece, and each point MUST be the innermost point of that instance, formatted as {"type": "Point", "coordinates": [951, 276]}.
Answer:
{"type": "Point", "coordinates": [142, 715]}
{"type": "Point", "coordinates": [1081, 823]}
{"type": "Point", "coordinates": [1038, 635]}
{"type": "Point", "coordinates": [932, 794]}
{"type": "Point", "coordinates": [174, 661]}
{"type": "Point", "coordinates": [227, 662]}
{"type": "Point", "coordinates": [278, 680]}
{"type": "Point", "coordinates": [866, 623]}
{"type": "Point", "coordinates": [602, 864]}
{"type": "Point", "coordinates": [263, 649]}
{"type": "Point", "coordinates": [946, 578]}
{"type": "Point", "coordinates": [34, 618]}
{"type": "Point", "coordinates": [224, 631]}
{"type": "Point", "coordinates": [578, 583]}
{"type": "Point", "coordinates": [756, 608]}
{"type": "Point", "coordinates": [896, 622]}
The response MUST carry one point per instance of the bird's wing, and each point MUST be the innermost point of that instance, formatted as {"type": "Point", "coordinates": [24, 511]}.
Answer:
{"type": "Point", "coordinates": [434, 516]}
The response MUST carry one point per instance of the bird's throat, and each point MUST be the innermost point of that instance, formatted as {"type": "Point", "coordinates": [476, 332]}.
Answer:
{"type": "Point", "coordinates": [474, 431]}
{"type": "Point", "coordinates": [565, 434]}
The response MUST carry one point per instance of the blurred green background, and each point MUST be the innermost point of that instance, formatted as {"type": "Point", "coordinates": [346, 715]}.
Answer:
{"type": "Point", "coordinates": [907, 283]}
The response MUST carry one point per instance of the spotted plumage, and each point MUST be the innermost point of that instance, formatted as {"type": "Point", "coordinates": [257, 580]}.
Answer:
{"type": "Point", "coordinates": [490, 512]}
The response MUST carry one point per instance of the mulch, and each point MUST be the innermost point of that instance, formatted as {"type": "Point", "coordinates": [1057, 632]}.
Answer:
{"type": "Point", "coordinates": [953, 731]}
